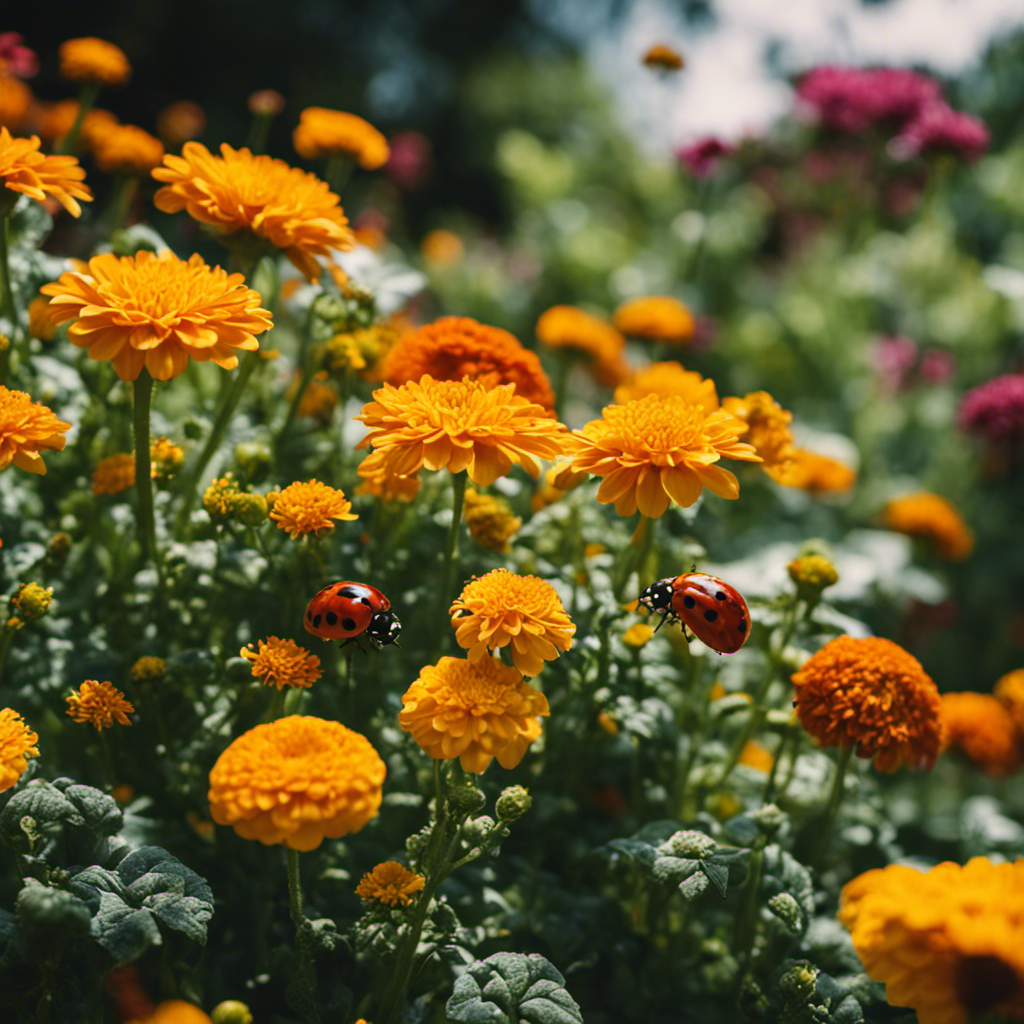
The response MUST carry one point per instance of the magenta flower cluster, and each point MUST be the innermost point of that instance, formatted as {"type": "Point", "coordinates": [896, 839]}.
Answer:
{"type": "Point", "coordinates": [702, 157]}
{"type": "Point", "coordinates": [995, 409]}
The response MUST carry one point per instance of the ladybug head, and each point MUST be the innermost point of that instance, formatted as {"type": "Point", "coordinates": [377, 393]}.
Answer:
{"type": "Point", "coordinates": [657, 597]}
{"type": "Point", "coordinates": [384, 628]}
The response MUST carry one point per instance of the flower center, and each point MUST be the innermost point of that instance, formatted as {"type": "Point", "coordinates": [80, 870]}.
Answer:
{"type": "Point", "coordinates": [659, 426]}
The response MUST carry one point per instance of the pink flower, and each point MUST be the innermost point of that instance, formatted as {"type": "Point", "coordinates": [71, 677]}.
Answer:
{"type": "Point", "coordinates": [938, 128]}
{"type": "Point", "coordinates": [701, 158]}
{"type": "Point", "coordinates": [995, 409]}
{"type": "Point", "coordinates": [410, 159]}
{"type": "Point", "coordinates": [937, 366]}
{"type": "Point", "coordinates": [16, 59]}
{"type": "Point", "coordinates": [895, 357]}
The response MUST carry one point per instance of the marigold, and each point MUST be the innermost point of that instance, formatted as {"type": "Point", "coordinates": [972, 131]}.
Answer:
{"type": "Point", "coordinates": [179, 122]}
{"type": "Point", "coordinates": [126, 148]}
{"type": "Point", "coordinates": [1009, 691]}
{"type": "Point", "coordinates": [310, 508]}
{"type": "Point", "coordinates": [442, 248]}
{"type": "Point", "coordinates": [114, 474]}
{"type": "Point", "coordinates": [378, 483]}
{"type": "Point", "coordinates": [503, 608]}
{"type": "Point", "coordinates": [24, 169]}
{"type": "Point", "coordinates": [654, 451]}
{"type": "Point", "coordinates": [17, 743]}
{"type": "Point", "coordinates": [984, 730]}
{"type": "Point", "coordinates": [147, 669]}
{"type": "Point", "coordinates": [390, 883]}
{"type": "Point", "coordinates": [767, 426]}
{"type": "Point", "coordinates": [39, 324]}
{"type": "Point", "coordinates": [322, 133]}
{"type": "Point", "coordinates": [456, 425]}
{"type": "Point", "coordinates": [668, 379]}
{"type": "Point", "coordinates": [282, 663]}
{"type": "Point", "coordinates": [930, 516]}
{"type": "Point", "coordinates": [819, 474]}
{"type": "Point", "coordinates": [26, 429]}
{"type": "Point", "coordinates": [663, 58]}
{"type": "Point", "coordinates": [638, 634]}
{"type": "Point", "coordinates": [474, 711]}
{"type": "Point", "coordinates": [57, 119]}
{"type": "Point", "coordinates": [15, 100]}
{"type": "Point", "coordinates": [657, 318]}
{"type": "Point", "coordinates": [949, 942]}
{"type": "Point", "coordinates": [93, 60]}
{"type": "Point", "coordinates": [455, 347]}
{"type": "Point", "coordinates": [297, 781]}
{"type": "Point", "coordinates": [31, 601]}
{"type": "Point", "coordinates": [871, 693]}
{"type": "Point", "coordinates": [99, 704]}
{"type": "Point", "coordinates": [238, 192]}
{"type": "Point", "coordinates": [490, 521]}
{"type": "Point", "coordinates": [167, 457]}
{"type": "Point", "coordinates": [220, 497]}
{"type": "Point", "coordinates": [755, 755]}
{"type": "Point", "coordinates": [569, 327]}
{"type": "Point", "coordinates": [157, 312]}
{"type": "Point", "coordinates": [174, 1011]}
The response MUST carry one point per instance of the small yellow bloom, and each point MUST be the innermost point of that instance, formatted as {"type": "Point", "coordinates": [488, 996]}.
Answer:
{"type": "Point", "coordinates": [441, 249]}
{"type": "Point", "coordinates": [490, 521]}
{"type": "Point", "coordinates": [668, 378]}
{"type": "Point", "coordinates": [26, 429]}
{"type": "Point", "coordinates": [99, 704]}
{"type": "Point", "coordinates": [638, 634]}
{"type": "Point", "coordinates": [607, 723]}
{"type": "Point", "coordinates": [127, 149]}
{"type": "Point", "coordinates": [572, 328]}
{"type": "Point", "coordinates": [755, 756]}
{"type": "Point", "coordinates": [114, 474]}
{"type": "Point", "coordinates": [167, 458]}
{"type": "Point", "coordinates": [147, 669]}
{"type": "Point", "coordinates": [310, 507]}
{"type": "Point", "coordinates": [219, 497]}
{"type": "Point", "coordinates": [17, 742]}
{"type": "Point", "coordinates": [282, 663]}
{"type": "Point", "coordinates": [31, 601]}
{"type": "Point", "coordinates": [767, 426]}
{"type": "Point", "coordinates": [93, 60]}
{"type": "Point", "coordinates": [323, 133]}
{"type": "Point", "coordinates": [658, 318]}
{"type": "Point", "coordinates": [390, 883]}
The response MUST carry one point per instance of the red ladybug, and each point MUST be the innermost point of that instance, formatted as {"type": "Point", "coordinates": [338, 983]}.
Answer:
{"type": "Point", "coordinates": [346, 610]}
{"type": "Point", "coordinates": [714, 610]}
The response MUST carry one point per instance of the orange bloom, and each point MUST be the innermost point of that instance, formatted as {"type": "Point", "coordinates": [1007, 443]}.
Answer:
{"type": "Point", "coordinates": [179, 122]}
{"type": "Point", "coordinates": [57, 119]}
{"type": "Point", "coordinates": [441, 248]}
{"type": "Point", "coordinates": [669, 379]}
{"type": "Point", "coordinates": [124, 147]}
{"type": "Point", "coordinates": [157, 312]}
{"type": "Point", "coordinates": [756, 756]}
{"type": "Point", "coordinates": [114, 474]}
{"type": "Point", "coordinates": [456, 346]}
{"type": "Point", "coordinates": [872, 694]}
{"type": "Point", "coordinates": [15, 100]}
{"type": "Point", "coordinates": [93, 60]}
{"type": "Point", "coordinates": [297, 781]}
{"type": "Point", "coordinates": [653, 451]}
{"type": "Point", "coordinates": [390, 883]}
{"type": "Point", "coordinates": [980, 726]}
{"type": "Point", "coordinates": [17, 742]}
{"type": "Point", "coordinates": [237, 192]}
{"type": "Point", "coordinates": [282, 663]}
{"type": "Point", "coordinates": [322, 132]}
{"type": "Point", "coordinates": [927, 515]}
{"type": "Point", "coordinates": [26, 429]}
{"type": "Point", "coordinates": [1009, 691]}
{"type": "Point", "coordinates": [819, 474]}
{"type": "Point", "coordinates": [657, 318]}
{"type": "Point", "coordinates": [490, 521]}
{"type": "Point", "coordinates": [376, 482]}
{"type": "Point", "coordinates": [663, 58]}
{"type": "Point", "coordinates": [767, 426]}
{"type": "Point", "coordinates": [569, 327]}
{"type": "Point", "coordinates": [174, 1011]}
{"type": "Point", "coordinates": [24, 169]}
{"type": "Point", "coordinates": [474, 711]}
{"type": "Point", "coordinates": [99, 704]}
{"type": "Point", "coordinates": [310, 508]}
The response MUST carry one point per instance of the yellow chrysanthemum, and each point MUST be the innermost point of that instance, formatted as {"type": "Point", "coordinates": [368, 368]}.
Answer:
{"type": "Point", "coordinates": [125, 148]}
{"type": "Point", "coordinates": [1009, 691]}
{"type": "Point", "coordinates": [948, 943]}
{"type": "Point", "coordinates": [767, 426]}
{"type": "Point", "coordinates": [638, 634]}
{"type": "Point", "coordinates": [93, 60]}
{"type": "Point", "coordinates": [474, 711]}
{"type": "Point", "coordinates": [490, 521]}
{"type": "Point", "coordinates": [24, 169]}
{"type": "Point", "coordinates": [322, 133]}
{"type": "Point", "coordinates": [669, 378]}
{"type": "Point", "coordinates": [114, 474]}
{"type": "Point", "coordinates": [390, 883]}
{"type": "Point", "coordinates": [220, 497]}
{"type": "Point", "coordinates": [930, 516]}
{"type": "Point", "coordinates": [282, 663]}
{"type": "Point", "coordinates": [15, 100]}
{"type": "Point", "coordinates": [310, 507]}
{"type": "Point", "coordinates": [756, 756]}
{"type": "Point", "coordinates": [663, 58]}
{"type": "Point", "coordinates": [870, 693]}
{"type": "Point", "coordinates": [657, 318]}
{"type": "Point", "coordinates": [26, 429]}
{"type": "Point", "coordinates": [237, 192]}
{"type": "Point", "coordinates": [39, 323]}
{"type": "Point", "coordinates": [573, 328]}
{"type": "Point", "coordinates": [456, 425]}
{"type": "Point", "coordinates": [158, 312]}
{"type": "Point", "coordinates": [376, 482]}
{"type": "Point", "coordinates": [980, 727]}
{"type": "Point", "coordinates": [99, 704]}
{"type": "Point", "coordinates": [654, 450]}
{"type": "Point", "coordinates": [167, 457]}
{"type": "Point", "coordinates": [17, 743]}
{"type": "Point", "coordinates": [503, 608]}
{"type": "Point", "coordinates": [148, 669]}
{"type": "Point", "coordinates": [819, 474]}
{"type": "Point", "coordinates": [297, 781]}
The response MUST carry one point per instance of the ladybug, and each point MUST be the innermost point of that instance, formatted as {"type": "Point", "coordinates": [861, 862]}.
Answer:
{"type": "Point", "coordinates": [713, 609]}
{"type": "Point", "coordinates": [346, 610]}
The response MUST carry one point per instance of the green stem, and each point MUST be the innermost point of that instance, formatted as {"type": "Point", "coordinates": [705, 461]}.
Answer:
{"type": "Point", "coordinates": [338, 171]}
{"type": "Point", "coordinates": [121, 204]}
{"type": "Point", "coordinates": [142, 397]}
{"type": "Point", "coordinates": [451, 558]}
{"type": "Point", "coordinates": [308, 371]}
{"type": "Point", "coordinates": [746, 919]}
{"type": "Point", "coordinates": [307, 974]}
{"type": "Point", "coordinates": [86, 98]}
{"type": "Point", "coordinates": [6, 636]}
{"type": "Point", "coordinates": [6, 295]}
{"type": "Point", "coordinates": [277, 705]}
{"type": "Point", "coordinates": [259, 131]}
{"type": "Point", "coordinates": [823, 832]}
{"type": "Point", "coordinates": [295, 891]}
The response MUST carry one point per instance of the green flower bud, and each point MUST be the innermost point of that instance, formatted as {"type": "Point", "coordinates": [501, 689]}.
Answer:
{"type": "Point", "coordinates": [219, 498]}
{"type": "Point", "coordinates": [689, 844]}
{"type": "Point", "coordinates": [466, 799]}
{"type": "Point", "coordinates": [798, 983]}
{"type": "Point", "coordinates": [785, 907]}
{"type": "Point", "coordinates": [250, 509]}
{"type": "Point", "coordinates": [254, 460]}
{"type": "Point", "coordinates": [474, 831]}
{"type": "Point", "coordinates": [31, 601]}
{"type": "Point", "coordinates": [513, 803]}
{"type": "Point", "coordinates": [812, 574]}
{"type": "Point", "coordinates": [231, 1011]}
{"type": "Point", "coordinates": [59, 547]}
{"type": "Point", "coordinates": [769, 818]}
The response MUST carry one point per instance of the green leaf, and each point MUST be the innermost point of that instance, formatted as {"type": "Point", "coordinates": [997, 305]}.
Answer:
{"type": "Point", "coordinates": [718, 875]}
{"type": "Point", "coordinates": [48, 915]}
{"type": "Point", "coordinates": [693, 886]}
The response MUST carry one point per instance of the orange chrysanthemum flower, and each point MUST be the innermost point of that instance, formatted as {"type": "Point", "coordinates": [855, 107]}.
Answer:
{"type": "Point", "coordinates": [15, 100]}
{"type": "Point", "coordinates": [456, 425]}
{"type": "Point", "coordinates": [179, 122]}
{"type": "Point", "coordinates": [125, 148]}
{"type": "Point", "coordinates": [934, 518]}
{"type": "Point", "coordinates": [318, 400]}
{"type": "Point", "coordinates": [24, 169]}
{"type": "Point", "coordinates": [490, 521]}
{"type": "Point", "coordinates": [376, 482]}
{"type": "Point", "coordinates": [297, 781]}
{"type": "Point", "coordinates": [980, 727]}
{"type": "Point", "coordinates": [237, 192]}
{"type": "Point", "coordinates": [653, 451]}
{"type": "Point", "coordinates": [99, 704]}
{"type": "Point", "coordinates": [310, 508]}
{"type": "Point", "coordinates": [948, 943]}
{"type": "Point", "coordinates": [474, 711]}
{"type": "Point", "coordinates": [26, 429]}
{"type": "Point", "coordinates": [322, 133]}
{"type": "Point", "coordinates": [657, 318]}
{"type": "Point", "coordinates": [1009, 691]}
{"type": "Point", "coordinates": [663, 58]}
{"type": "Point", "coordinates": [669, 379]}
{"type": "Point", "coordinates": [390, 883]}
{"type": "Point", "coordinates": [870, 693]}
{"type": "Point", "coordinates": [457, 346]}
{"type": "Point", "coordinates": [819, 474]}
{"type": "Point", "coordinates": [174, 1011]}
{"type": "Point", "coordinates": [157, 312]}
{"type": "Point", "coordinates": [767, 426]}
{"type": "Point", "coordinates": [755, 755]}
{"type": "Point", "coordinates": [502, 608]}
{"type": "Point", "coordinates": [93, 60]}
{"type": "Point", "coordinates": [282, 663]}
{"type": "Point", "coordinates": [57, 119]}
{"type": "Point", "coordinates": [114, 474]}
{"type": "Point", "coordinates": [602, 344]}
{"type": "Point", "coordinates": [17, 743]}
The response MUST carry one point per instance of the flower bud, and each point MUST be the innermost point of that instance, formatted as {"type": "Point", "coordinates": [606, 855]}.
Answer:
{"type": "Point", "coordinates": [466, 799]}
{"type": "Point", "coordinates": [31, 601]}
{"type": "Point", "coordinates": [785, 907]}
{"type": "Point", "coordinates": [474, 831]}
{"type": "Point", "coordinates": [812, 574]}
{"type": "Point", "coordinates": [690, 844]}
{"type": "Point", "coordinates": [219, 498]}
{"type": "Point", "coordinates": [250, 509]}
{"type": "Point", "coordinates": [59, 547]}
{"type": "Point", "coordinates": [147, 669]}
{"type": "Point", "coordinates": [231, 1011]}
{"type": "Point", "coordinates": [254, 460]}
{"type": "Point", "coordinates": [513, 803]}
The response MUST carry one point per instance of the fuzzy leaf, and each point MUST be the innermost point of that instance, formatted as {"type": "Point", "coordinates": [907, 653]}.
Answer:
{"type": "Point", "coordinates": [693, 886]}
{"type": "Point", "coordinates": [718, 875]}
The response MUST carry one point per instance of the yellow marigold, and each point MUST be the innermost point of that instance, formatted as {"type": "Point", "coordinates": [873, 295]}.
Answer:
{"type": "Point", "coordinates": [474, 711]}
{"type": "Point", "coordinates": [980, 727]}
{"type": "Point", "coordinates": [948, 943]}
{"type": "Point", "coordinates": [237, 192]}
{"type": "Point", "coordinates": [1009, 691]}
{"type": "Point", "coordinates": [39, 324]}
{"type": "Point", "coordinates": [657, 318]}
{"type": "Point", "coordinates": [819, 474]}
{"type": "Point", "coordinates": [455, 347]}
{"type": "Point", "coordinates": [870, 693]}
{"type": "Point", "coordinates": [654, 450]}
{"type": "Point", "coordinates": [158, 311]}
{"type": "Point", "coordinates": [322, 132]}
{"type": "Point", "coordinates": [442, 248]}
{"type": "Point", "coordinates": [26, 429]}
{"type": "Point", "coordinates": [219, 497]}
{"type": "Point", "coordinates": [310, 508]}
{"type": "Point", "coordinates": [638, 634]}
{"type": "Point", "coordinates": [756, 756]}
{"type": "Point", "coordinates": [927, 515]}
{"type": "Point", "coordinates": [664, 58]}
{"type": "Point", "coordinates": [127, 148]}
{"type": "Point", "coordinates": [573, 328]}
{"type": "Point", "coordinates": [297, 781]}
{"type": "Point", "coordinates": [345, 351]}
{"type": "Point", "coordinates": [167, 457]}
{"type": "Point", "coordinates": [490, 521]}
{"type": "Point", "coordinates": [114, 474]}
{"type": "Point", "coordinates": [24, 169]}
{"type": "Point", "coordinates": [147, 669]}
{"type": "Point", "coordinates": [31, 601]}
{"type": "Point", "coordinates": [57, 119]}
{"type": "Point", "coordinates": [767, 426]}
{"type": "Point", "coordinates": [99, 704]}
{"type": "Point", "coordinates": [390, 883]}
{"type": "Point", "coordinates": [456, 425]}
{"type": "Point", "coordinates": [282, 663]}
{"type": "Point", "coordinates": [15, 100]}
{"type": "Point", "coordinates": [502, 608]}
{"type": "Point", "coordinates": [179, 122]}
{"type": "Point", "coordinates": [666, 379]}
{"type": "Point", "coordinates": [378, 483]}
{"type": "Point", "coordinates": [17, 743]}
{"type": "Point", "coordinates": [93, 60]}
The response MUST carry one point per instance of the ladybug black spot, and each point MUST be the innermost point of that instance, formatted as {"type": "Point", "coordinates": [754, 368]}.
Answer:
{"type": "Point", "coordinates": [309, 615]}
{"type": "Point", "coordinates": [689, 601]}
{"type": "Point", "coordinates": [352, 592]}
{"type": "Point", "coordinates": [741, 626]}
{"type": "Point", "coordinates": [365, 600]}
{"type": "Point", "coordinates": [348, 623]}
{"type": "Point", "coordinates": [316, 621]}
{"type": "Point", "coordinates": [711, 615]}
{"type": "Point", "coordinates": [720, 596]}
{"type": "Point", "coordinates": [331, 618]}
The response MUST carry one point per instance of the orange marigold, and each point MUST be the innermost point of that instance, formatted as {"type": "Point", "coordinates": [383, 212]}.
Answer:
{"type": "Point", "coordinates": [654, 450]}
{"type": "Point", "coordinates": [158, 311]}
{"type": "Point", "coordinates": [980, 727]}
{"type": "Point", "coordinates": [126, 148]}
{"type": "Point", "coordinates": [819, 474]}
{"type": "Point", "coordinates": [502, 608]}
{"type": "Point", "coordinates": [767, 426]}
{"type": "Point", "coordinates": [99, 704]}
{"type": "Point", "coordinates": [322, 132]}
{"type": "Point", "coordinates": [57, 119]}
{"type": "Point", "coordinates": [573, 328]}
{"type": "Point", "coordinates": [457, 346]}
{"type": "Point", "coordinates": [237, 192]}
{"type": "Point", "coordinates": [934, 518]}
{"type": "Point", "coordinates": [870, 693]}
{"type": "Point", "coordinates": [664, 58]}
{"type": "Point", "coordinates": [948, 942]}
{"type": "Point", "coordinates": [93, 60]}
{"type": "Point", "coordinates": [378, 483]}
{"type": "Point", "coordinates": [26, 429]}
{"type": "Point", "coordinates": [282, 663]}
{"type": "Point", "coordinates": [174, 1011]}
{"type": "Point", "coordinates": [15, 100]}
{"type": "Point", "coordinates": [1009, 691]}
{"type": "Point", "coordinates": [456, 425]}
{"type": "Point", "coordinates": [179, 122]}
{"type": "Point", "coordinates": [490, 521]}
{"type": "Point", "coordinates": [755, 755]}
{"type": "Point", "coordinates": [297, 781]}
{"type": "Point", "coordinates": [17, 743]}
{"type": "Point", "coordinates": [474, 711]}
{"type": "Point", "coordinates": [114, 474]}
{"type": "Point", "coordinates": [390, 883]}
{"type": "Point", "coordinates": [24, 169]}
{"type": "Point", "coordinates": [668, 379]}
{"type": "Point", "coordinates": [441, 248]}
{"type": "Point", "coordinates": [310, 508]}
{"type": "Point", "coordinates": [657, 318]}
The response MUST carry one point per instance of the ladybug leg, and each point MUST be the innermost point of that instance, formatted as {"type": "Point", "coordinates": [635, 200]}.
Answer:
{"type": "Point", "coordinates": [352, 640]}
{"type": "Point", "coordinates": [661, 622]}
